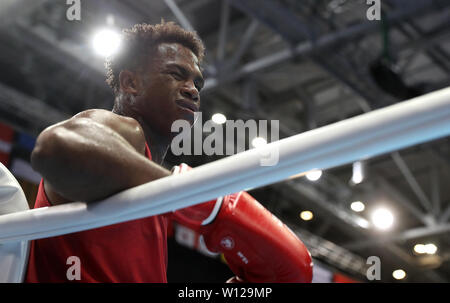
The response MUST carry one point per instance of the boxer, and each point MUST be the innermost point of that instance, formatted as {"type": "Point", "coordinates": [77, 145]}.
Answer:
{"type": "Point", "coordinates": [156, 79]}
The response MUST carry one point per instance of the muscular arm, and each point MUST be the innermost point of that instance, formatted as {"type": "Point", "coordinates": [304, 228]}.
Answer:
{"type": "Point", "coordinates": [91, 156]}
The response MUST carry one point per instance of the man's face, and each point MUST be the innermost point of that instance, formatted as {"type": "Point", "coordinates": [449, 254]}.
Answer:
{"type": "Point", "coordinates": [169, 90]}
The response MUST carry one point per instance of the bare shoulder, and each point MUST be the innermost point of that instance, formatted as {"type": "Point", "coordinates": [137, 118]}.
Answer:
{"type": "Point", "coordinates": [100, 115]}
{"type": "Point", "coordinates": [128, 127]}
{"type": "Point", "coordinates": [109, 118]}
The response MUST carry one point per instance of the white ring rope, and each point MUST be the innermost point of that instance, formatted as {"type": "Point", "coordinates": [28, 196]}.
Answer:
{"type": "Point", "coordinates": [408, 123]}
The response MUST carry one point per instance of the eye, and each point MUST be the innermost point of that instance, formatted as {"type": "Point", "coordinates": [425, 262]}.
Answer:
{"type": "Point", "coordinates": [176, 75]}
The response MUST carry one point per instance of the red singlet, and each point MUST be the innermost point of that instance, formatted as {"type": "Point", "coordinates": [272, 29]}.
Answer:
{"type": "Point", "coordinates": [134, 251]}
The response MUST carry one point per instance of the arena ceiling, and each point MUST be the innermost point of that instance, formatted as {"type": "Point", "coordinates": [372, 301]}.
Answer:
{"type": "Point", "coordinates": [305, 63]}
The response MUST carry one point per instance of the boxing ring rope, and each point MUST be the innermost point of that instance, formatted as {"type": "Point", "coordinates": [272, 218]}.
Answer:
{"type": "Point", "coordinates": [408, 123]}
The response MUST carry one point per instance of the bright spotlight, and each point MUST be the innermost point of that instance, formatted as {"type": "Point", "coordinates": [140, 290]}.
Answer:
{"type": "Point", "coordinates": [357, 206]}
{"type": "Point", "coordinates": [258, 141]}
{"type": "Point", "coordinates": [399, 274]}
{"type": "Point", "coordinates": [219, 118]}
{"type": "Point", "coordinates": [306, 215]}
{"type": "Point", "coordinates": [362, 223]}
{"type": "Point", "coordinates": [358, 172]}
{"type": "Point", "coordinates": [106, 42]}
{"type": "Point", "coordinates": [382, 218]}
{"type": "Point", "coordinates": [420, 248]}
{"type": "Point", "coordinates": [430, 249]}
{"type": "Point", "coordinates": [314, 175]}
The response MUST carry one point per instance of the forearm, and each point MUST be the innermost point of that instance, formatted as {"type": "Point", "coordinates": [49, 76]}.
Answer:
{"type": "Point", "coordinates": [84, 160]}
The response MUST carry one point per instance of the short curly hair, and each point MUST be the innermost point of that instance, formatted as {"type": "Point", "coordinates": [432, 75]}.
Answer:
{"type": "Point", "coordinates": [140, 40]}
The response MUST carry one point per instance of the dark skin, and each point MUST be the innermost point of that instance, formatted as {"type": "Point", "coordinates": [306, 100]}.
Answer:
{"type": "Point", "coordinates": [98, 153]}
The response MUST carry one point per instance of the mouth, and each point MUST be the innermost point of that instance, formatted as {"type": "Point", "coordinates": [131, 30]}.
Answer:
{"type": "Point", "coordinates": [185, 104]}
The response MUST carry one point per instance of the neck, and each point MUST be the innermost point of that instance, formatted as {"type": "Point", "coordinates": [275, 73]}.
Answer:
{"type": "Point", "coordinates": [157, 143]}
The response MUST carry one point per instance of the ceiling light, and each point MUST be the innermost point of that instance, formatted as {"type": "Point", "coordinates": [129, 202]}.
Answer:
{"type": "Point", "coordinates": [259, 141]}
{"type": "Point", "coordinates": [314, 175]}
{"type": "Point", "coordinates": [362, 222]}
{"type": "Point", "coordinates": [306, 215]}
{"type": "Point", "coordinates": [219, 118]}
{"type": "Point", "coordinates": [420, 248]}
{"type": "Point", "coordinates": [430, 249]}
{"type": "Point", "coordinates": [357, 206]}
{"type": "Point", "coordinates": [399, 274]}
{"type": "Point", "coordinates": [358, 172]}
{"type": "Point", "coordinates": [106, 42]}
{"type": "Point", "coordinates": [382, 218]}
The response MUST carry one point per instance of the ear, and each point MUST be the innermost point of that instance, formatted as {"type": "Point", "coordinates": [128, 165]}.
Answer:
{"type": "Point", "coordinates": [128, 82]}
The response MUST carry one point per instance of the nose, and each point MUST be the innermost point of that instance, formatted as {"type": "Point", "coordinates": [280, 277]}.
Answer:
{"type": "Point", "coordinates": [190, 91]}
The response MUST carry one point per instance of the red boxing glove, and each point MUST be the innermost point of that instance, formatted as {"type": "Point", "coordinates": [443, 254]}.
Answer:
{"type": "Point", "coordinates": [258, 247]}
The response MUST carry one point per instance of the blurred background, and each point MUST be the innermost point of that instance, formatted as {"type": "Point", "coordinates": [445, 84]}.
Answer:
{"type": "Point", "coordinates": [305, 63]}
